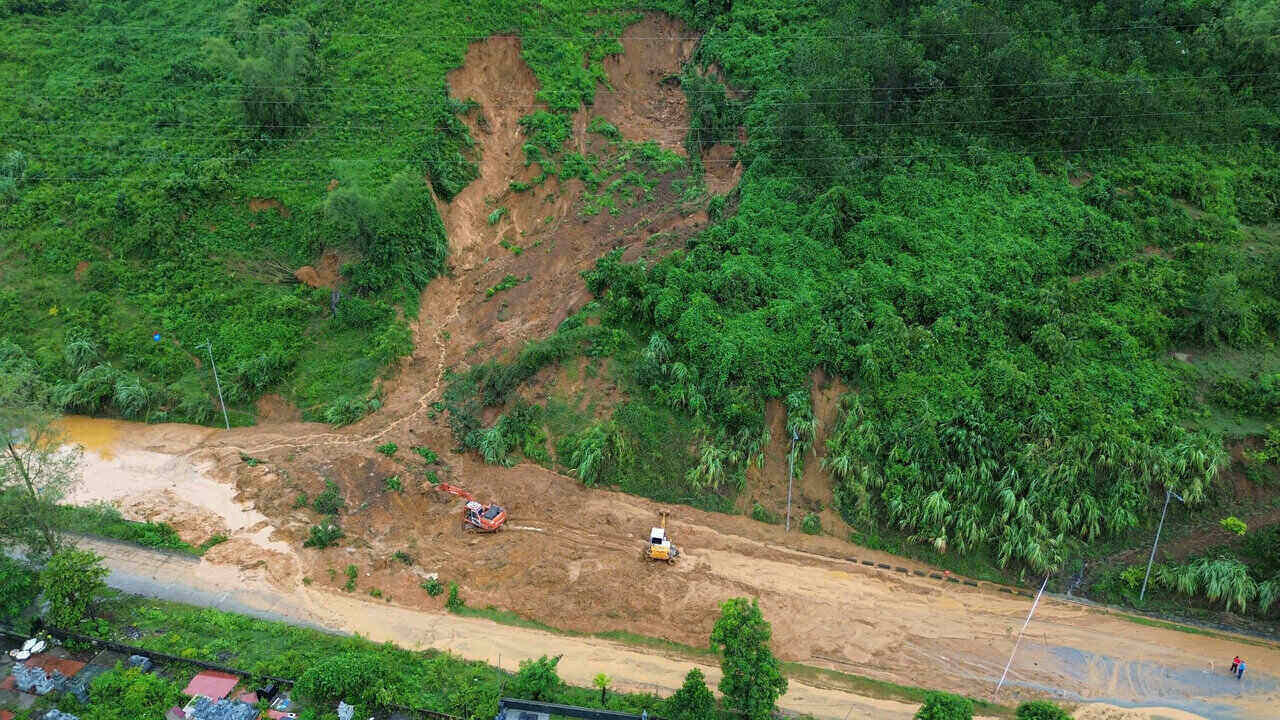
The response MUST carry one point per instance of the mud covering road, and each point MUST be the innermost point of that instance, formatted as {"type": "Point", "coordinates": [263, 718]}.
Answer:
{"type": "Point", "coordinates": [825, 611]}
{"type": "Point", "coordinates": [571, 556]}
{"type": "Point", "coordinates": [187, 580]}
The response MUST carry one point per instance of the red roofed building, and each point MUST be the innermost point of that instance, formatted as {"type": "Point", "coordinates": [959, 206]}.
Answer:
{"type": "Point", "coordinates": [212, 684]}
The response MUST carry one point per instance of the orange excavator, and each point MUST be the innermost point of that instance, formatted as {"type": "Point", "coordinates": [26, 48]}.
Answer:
{"type": "Point", "coordinates": [476, 515]}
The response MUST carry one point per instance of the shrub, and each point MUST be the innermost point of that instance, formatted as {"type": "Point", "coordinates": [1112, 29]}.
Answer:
{"type": "Point", "coordinates": [17, 587]}
{"type": "Point", "coordinates": [945, 706]}
{"type": "Point", "coordinates": [433, 587]}
{"type": "Point", "coordinates": [359, 678]}
{"type": "Point", "coordinates": [388, 449]}
{"type": "Point", "coordinates": [324, 535]}
{"type": "Point", "coordinates": [301, 501]}
{"type": "Point", "coordinates": [508, 281]}
{"type": "Point", "coordinates": [812, 524]}
{"type": "Point", "coordinates": [537, 679]}
{"type": "Point", "coordinates": [453, 602]}
{"type": "Point", "coordinates": [352, 573]}
{"type": "Point", "coordinates": [693, 701]}
{"type": "Point", "coordinates": [762, 514]}
{"type": "Point", "coordinates": [131, 693]}
{"type": "Point", "coordinates": [403, 557]}
{"type": "Point", "coordinates": [1041, 710]}
{"type": "Point", "coordinates": [329, 502]}
{"type": "Point", "coordinates": [215, 539]}
{"type": "Point", "coordinates": [428, 454]}
{"type": "Point", "coordinates": [345, 409]}
{"type": "Point", "coordinates": [1233, 525]}
{"type": "Point", "coordinates": [393, 484]}
{"type": "Point", "coordinates": [274, 65]}
{"type": "Point", "coordinates": [74, 584]}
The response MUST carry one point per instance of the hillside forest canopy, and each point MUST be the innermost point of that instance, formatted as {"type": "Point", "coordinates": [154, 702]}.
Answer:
{"type": "Point", "coordinates": [1037, 242]}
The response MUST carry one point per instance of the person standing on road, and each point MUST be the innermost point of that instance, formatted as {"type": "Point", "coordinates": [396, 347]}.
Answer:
{"type": "Point", "coordinates": [1235, 663]}
{"type": "Point", "coordinates": [1240, 670]}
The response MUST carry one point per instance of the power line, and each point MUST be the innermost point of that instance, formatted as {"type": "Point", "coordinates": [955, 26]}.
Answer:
{"type": "Point", "coordinates": [621, 34]}
{"type": "Point", "coordinates": [147, 155]}
{"type": "Point", "coordinates": [911, 123]}
{"type": "Point", "coordinates": [506, 101]}
{"type": "Point", "coordinates": [721, 91]}
{"type": "Point", "coordinates": [860, 158]}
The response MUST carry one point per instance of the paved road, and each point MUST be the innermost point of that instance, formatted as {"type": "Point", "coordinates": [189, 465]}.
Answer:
{"type": "Point", "coordinates": [180, 578]}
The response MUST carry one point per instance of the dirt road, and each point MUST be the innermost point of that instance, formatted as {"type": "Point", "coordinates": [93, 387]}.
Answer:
{"type": "Point", "coordinates": [826, 611]}
{"type": "Point", "coordinates": [188, 580]}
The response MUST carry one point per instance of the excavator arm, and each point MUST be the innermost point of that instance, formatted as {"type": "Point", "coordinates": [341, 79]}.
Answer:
{"type": "Point", "coordinates": [455, 490]}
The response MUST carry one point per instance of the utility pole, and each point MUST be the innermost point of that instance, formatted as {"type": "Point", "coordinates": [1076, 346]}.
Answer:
{"type": "Point", "coordinates": [209, 346]}
{"type": "Point", "coordinates": [1016, 642]}
{"type": "Point", "coordinates": [791, 459]}
{"type": "Point", "coordinates": [1167, 494]}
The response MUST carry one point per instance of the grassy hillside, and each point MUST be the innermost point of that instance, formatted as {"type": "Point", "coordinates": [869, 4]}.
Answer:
{"type": "Point", "coordinates": [138, 136]}
{"type": "Point", "coordinates": [1039, 242]}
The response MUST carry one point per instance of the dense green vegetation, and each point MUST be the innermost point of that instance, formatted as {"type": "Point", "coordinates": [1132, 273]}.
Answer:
{"type": "Point", "coordinates": [995, 224]}
{"type": "Point", "coordinates": [140, 134]}
{"type": "Point", "coordinates": [1241, 576]}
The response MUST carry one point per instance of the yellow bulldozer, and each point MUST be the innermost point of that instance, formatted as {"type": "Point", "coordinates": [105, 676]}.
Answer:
{"type": "Point", "coordinates": [660, 547]}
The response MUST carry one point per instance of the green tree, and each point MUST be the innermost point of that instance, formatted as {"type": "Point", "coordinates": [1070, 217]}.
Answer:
{"type": "Point", "coordinates": [74, 584]}
{"type": "Point", "coordinates": [130, 693]}
{"type": "Point", "coordinates": [36, 466]}
{"type": "Point", "coordinates": [274, 64]}
{"type": "Point", "coordinates": [17, 587]}
{"type": "Point", "coordinates": [753, 679]}
{"type": "Point", "coordinates": [693, 701]}
{"type": "Point", "coordinates": [363, 679]}
{"type": "Point", "coordinates": [537, 679]}
{"type": "Point", "coordinates": [945, 706]}
{"type": "Point", "coordinates": [603, 682]}
{"type": "Point", "coordinates": [1041, 710]}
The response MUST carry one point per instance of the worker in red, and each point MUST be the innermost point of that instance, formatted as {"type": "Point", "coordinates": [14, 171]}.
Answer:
{"type": "Point", "coordinates": [1235, 662]}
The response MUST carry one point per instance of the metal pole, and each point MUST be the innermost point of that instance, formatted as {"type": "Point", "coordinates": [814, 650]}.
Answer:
{"type": "Point", "coordinates": [209, 346]}
{"type": "Point", "coordinates": [1167, 494]}
{"type": "Point", "coordinates": [1015, 642]}
{"type": "Point", "coordinates": [791, 459]}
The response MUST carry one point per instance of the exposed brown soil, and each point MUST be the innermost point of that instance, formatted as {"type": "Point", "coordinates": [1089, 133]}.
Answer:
{"type": "Point", "coordinates": [274, 409]}
{"type": "Point", "coordinates": [257, 205]}
{"type": "Point", "coordinates": [722, 171]}
{"type": "Point", "coordinates": [811, 492]}
{"type": "Point", "coordinates": [570, 555]}
{"type": "Point", "coordinates": [645, 101]}
{"type": "Point", "coordinates": [324, 275]}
